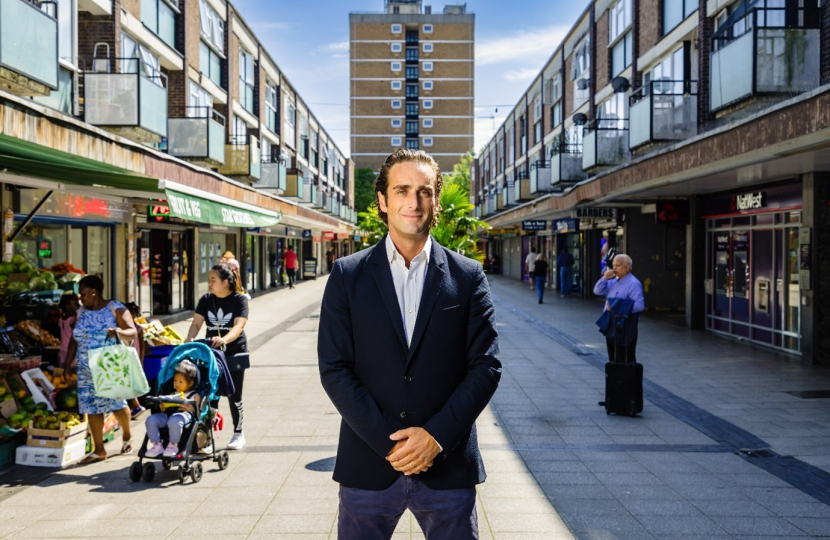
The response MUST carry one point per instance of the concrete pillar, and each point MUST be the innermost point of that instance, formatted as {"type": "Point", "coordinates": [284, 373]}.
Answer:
{"type": "Point", "coordinates": [815, 301]}
{"type": "Point", "coordinates": [695, 268]}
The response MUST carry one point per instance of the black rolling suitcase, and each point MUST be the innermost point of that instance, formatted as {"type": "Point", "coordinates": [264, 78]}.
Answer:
{"type": "Point", "coordinates": [623, 384]}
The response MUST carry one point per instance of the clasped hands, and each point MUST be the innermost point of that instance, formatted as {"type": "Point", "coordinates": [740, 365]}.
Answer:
{"type": "Point", "coordinates": [413, 452]}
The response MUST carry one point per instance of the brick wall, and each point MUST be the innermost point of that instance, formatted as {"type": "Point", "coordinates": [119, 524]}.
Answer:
{"type": "Point", "coordinates": [94, 29]}
{"type": "Point", "coordinates": [176, 94]}
{"type": "Point", "coordinates": [592, 31]}
{"type": "Point", "coordinates": [603, 54]}
{"type": "Point", "coordinates": [825, 42]}
{"type": "Point", "coordinates": [191, 33]}
{"type": "Point", "coordinates": [649, 23]}
{"type": "Point", "coordinates": [567, 88]}
{"type": "Point", "coordinates": [133, 7]}
{"type": "Point", "coordinates": [637, 75]}
{"type": "Point", "coordinates": [705, 29]}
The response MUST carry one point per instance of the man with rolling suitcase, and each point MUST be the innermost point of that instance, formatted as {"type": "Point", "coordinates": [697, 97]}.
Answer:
{"type": "Point", "coordinates": [619, 322]}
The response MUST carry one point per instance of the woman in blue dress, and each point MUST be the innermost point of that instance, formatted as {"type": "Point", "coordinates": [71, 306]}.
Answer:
{"type": "Point", "coordinates": [97, 320]}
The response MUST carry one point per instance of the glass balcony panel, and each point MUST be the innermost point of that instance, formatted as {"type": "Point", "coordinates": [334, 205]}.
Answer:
{"type": "Point", "coordinates": [216, 141]}
{"type": "Point", "coordinates": [111, 99]}
{"type": "Point", "coordinates": [640, 114]}
{"type": "Point", "coordinates": [589, 150]}
{"type": "Point", "coordinates": [29, 42]}
{"type": "Point", "coordinates": [153, 106]}
{"type": "Point", "coordinates": [283, 183]}
{"type": "Point", "coordinates": [675, 116]}
{"type": "Point", "coordinates": [731, 72]}
{"type": "Point", "coordinates": [788, 60]}
{"type": "Point", "coordinates": [188, 137]}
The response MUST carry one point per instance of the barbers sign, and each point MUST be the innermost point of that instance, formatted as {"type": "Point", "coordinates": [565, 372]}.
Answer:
{"type": "Point", "coordinates": [595, 213]}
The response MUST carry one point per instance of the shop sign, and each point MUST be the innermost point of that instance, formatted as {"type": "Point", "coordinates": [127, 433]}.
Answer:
{"type": "Point", "coordinates": [73, 206]}
{"type": "Point", "coordinates": [534, 225]}
{"type": "Point", "coordinates": [342, 236]}
{"type": "Point", "coordinates": [44, 248]}
{"type": "Point", "coordinates": [565, 225]}
{"type": "Point", "coordinates": [749, 201]}
{"type": "Point", "coordinates": [328, 235]}
{"type": "Point", "coordinates": [357, 238]}
{"type": "Point", "coordinates": [595, 213]}
{"type": "Point", "coordinates": [671, 212]}
{"type": "Point", "coordinates": [306, 233]}
{"type": "Point", "coordinates": [290, 233]}
{"type": "Point", "coordinates": [194, 208]}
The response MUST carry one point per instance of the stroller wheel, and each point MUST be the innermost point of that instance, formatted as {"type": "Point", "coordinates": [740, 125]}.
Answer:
{"type": "Point", "coordinates": [135, 471]}
{"type": "Point", "coordinates": [181, 473]}
{"type": "Point", "coordinates": [223, 460]}
{"type": "Point", "coordinates": [148, 472]}
{"type": "Point", "coordinates": [167, 464]}
{"type": "Point", "coordinates": [196, 472]}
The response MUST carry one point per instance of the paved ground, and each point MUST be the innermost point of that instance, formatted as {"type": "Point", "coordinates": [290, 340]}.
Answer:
{"type": "Point", "coordinates": [722, 450]}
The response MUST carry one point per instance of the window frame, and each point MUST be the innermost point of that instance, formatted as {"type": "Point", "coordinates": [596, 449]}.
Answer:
{"type": "Point", "coordinates": [393, 65]}
{"type": "Point", "coordinates": [396, 85]}
{"type": "Point", "coordinates": [396, 47]}
{"type": "Point", "coordinates": [429, 85]}
{"type": "Point", "coordinates": [664, 28]}
{"type": "Point", "coordinates": [622, 9]}
{"type": "Point", "coordinates": [428, 103]}
{"type": "Point", "coordinates": [626, 42]}
{"type": "Point", "coordinates": [428, 66]}
{"type": "Point", "coordinates": [290, 118]}
{"type": "Point", "coordinates": [247, 79]}
{"type": "Point", "coordinates": [396, 141]}
{"type": "Point", "coordinates": [428, 28]}
{"type": "Point", "coordinates": [428, 122]}
{"type": "Point", "coordinates": [396, 122]}
{"type": "Point", "coordinates": [396, 28]}
{"type": "Point", "coordinates": [428, 47]}
{"type": "Point", "coordinates": [272, 113]}
{"type": "Point", "coordinates": [155, 26]}
{"type": "Point", "coordinates": [428, 141]}
{"type": "Point", "coordinates": [396, 103]}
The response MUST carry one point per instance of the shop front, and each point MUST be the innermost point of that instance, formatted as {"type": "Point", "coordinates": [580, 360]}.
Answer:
{"type": "Point", "coordinates": [601, 238]}
{"type": "Point", "coordinates": [176, 253]}
{"type": "Point", "coordinates": [264, 253]}
{"type": "Point", "coordinates": [64, 228]}
{"type": "Point", "coordinates": [753, 244]}
{"type": "Point", "coordinates": [568, 238]}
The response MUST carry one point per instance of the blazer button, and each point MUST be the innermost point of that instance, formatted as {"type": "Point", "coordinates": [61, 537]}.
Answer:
{"type": "Point", "coordinates": [407, 378]}
{"type": "Point", "coordinates": [403, 414]}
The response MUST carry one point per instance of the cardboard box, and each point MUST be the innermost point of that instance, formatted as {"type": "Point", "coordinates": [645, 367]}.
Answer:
{"type": "Point", "coordinates": [39, 386]}
{"type": "Point", "coordinates": [8, 407]}
{"type": "Point", "coordinates": [51, 457]}
{"type": "Point", "coordinates": [56, 438]}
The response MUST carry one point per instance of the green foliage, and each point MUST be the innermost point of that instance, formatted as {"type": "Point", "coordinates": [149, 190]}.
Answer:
{"type": "Point", "coordinates": [454, 231]}
{"type": "Point", "coordinates": [364, 195]}
{"type": "Point", "coordinates": [461, 172]}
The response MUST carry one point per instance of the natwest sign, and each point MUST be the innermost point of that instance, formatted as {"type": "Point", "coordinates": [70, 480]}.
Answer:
{"type": "Point", "coordinates": [595, 213]}
{"type": "Point", "coordinates": [749, 201]}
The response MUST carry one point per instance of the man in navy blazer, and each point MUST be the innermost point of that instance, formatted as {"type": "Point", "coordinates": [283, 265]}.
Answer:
{"type": "Point", "coordinates": [408, 353]}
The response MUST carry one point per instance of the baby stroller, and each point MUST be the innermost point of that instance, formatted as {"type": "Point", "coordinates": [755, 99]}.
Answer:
{"type": "Point", "coordinates": [198, 433]}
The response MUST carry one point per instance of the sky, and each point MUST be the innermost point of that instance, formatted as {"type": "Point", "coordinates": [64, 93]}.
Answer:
{"type": "Point", "coordinates": [309, 40]}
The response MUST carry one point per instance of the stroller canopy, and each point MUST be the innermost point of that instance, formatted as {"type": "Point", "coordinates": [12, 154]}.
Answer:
{"type": "Point", "coordinates": [202, 356]}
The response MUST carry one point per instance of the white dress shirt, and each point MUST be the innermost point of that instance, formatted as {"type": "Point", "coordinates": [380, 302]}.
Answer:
{"type": "Point", "coordinates": [409, 282]}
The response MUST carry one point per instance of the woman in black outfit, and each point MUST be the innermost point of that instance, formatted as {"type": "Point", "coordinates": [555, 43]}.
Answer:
{"type": "Point", "coordinates": [226, 312]}
{"type": "Point", "coordinates": [540, 274]}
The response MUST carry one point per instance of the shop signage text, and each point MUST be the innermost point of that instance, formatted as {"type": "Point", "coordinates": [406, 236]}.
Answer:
{"type": "Point", "coordinates": [195, 208]}
{"type": "Point", "coordinates": [306, 233]}
{"type": "Point", "coordinates": [595, 213]}
{"type": "Point", "coordinates": [534, 225]}
{"type": "Point", "coordinates": [749, 201]}
{"type": "Point", "coordinates": [566, 225]}
{"type": "Point", "coordinates": [328, 235]}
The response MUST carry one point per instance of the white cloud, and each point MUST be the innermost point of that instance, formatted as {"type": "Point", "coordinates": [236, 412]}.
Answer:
{"type": "Point", "coordinates": [340, 46]}
{"type": "Point", "coordinates": [536, 44]}
{"type": "Point", "coordinates": [522, 74]}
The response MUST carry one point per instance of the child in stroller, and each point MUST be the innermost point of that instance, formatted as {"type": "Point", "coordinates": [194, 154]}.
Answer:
{"type": "Point", "coordinates": [193, 369]}
{"type": "Point", "coordinates": [174, 416]}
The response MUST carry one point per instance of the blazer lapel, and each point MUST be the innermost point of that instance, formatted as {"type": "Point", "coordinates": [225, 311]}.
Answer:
{"type": "Point", "coordinates": [383, 278]}
{"type": "Point", "coordinates": [432, 288]}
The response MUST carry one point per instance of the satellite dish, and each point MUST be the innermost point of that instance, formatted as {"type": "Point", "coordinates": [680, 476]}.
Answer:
{"type": "Point", "coordinates": [620, 84]}
{"type": "Point", "coordinates": [580, 119]}
{"type": "Point", "coordinates": [582, 84]}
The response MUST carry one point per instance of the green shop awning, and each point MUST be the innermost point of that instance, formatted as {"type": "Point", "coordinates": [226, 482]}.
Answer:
{"type": "Point", "coordinates": [196, 205]}
{"type": "Point", "coordinates": [30, 159]}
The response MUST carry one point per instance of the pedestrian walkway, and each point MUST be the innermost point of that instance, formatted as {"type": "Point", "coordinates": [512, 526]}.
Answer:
{"type": "Point", "coordinates": [558, 467]}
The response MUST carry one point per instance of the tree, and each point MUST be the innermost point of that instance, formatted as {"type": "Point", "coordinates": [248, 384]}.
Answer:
{"type": "Point", "coordinates": [461, 172]}
{"type": "Point", "coordinates": [364, 194]}
{"type": "Point", "coordinates": [455, 229]}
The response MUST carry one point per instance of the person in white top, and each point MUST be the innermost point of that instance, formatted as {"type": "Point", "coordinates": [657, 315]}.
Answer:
{"type": "Point", "coordinates": [530, 260]}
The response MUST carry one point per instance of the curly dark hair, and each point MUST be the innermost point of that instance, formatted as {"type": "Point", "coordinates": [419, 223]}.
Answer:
{"type": "Point", "coordinates": [404, 155]}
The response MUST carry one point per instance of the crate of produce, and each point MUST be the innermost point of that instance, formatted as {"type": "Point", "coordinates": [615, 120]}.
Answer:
{"type": "Point", "coordinates": [8, 405]}
{"type": "Point", "coordinates": [34, 331]}
{"type": "Point", "coordinates": [34, 456]}
{"type": "Point", "coordinates": [67, 428]}
{"type": "Point", "coordinates": [14, 364]}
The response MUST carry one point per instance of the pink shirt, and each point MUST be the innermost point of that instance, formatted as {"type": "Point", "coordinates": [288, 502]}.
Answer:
{"type": "Point", "coordinates": [66, 336]}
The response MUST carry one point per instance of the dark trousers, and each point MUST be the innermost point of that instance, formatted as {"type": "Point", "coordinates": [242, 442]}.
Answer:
{"type": "Point", "coordinates": [291, 273]}
{"type": "Point", "coordinates": [565, 280]}
{"type": "Point", "coordinates": [620, 353]}
{"type": "Point", "coordinates": [442, 513]}
{"type": "Point", "coordinates": [540, 287]}
{"type": "Point", "coordinates": [235, 401]}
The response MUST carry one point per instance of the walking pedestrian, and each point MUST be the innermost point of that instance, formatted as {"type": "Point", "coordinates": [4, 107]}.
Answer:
{"type": "Point", "coordinates": [408, 389]}
{"type": "Point", "coordinates": [530, 260]}
{"type": "Point", "coordinates": [329, 259]}
{"type": "Point", "coordinates": [619, 283]}
{"type": "Point", "coordinates": [540, 275]}
{"type": "Point", "coordinates": [96, 321]}
{"type": "Point", "coordinates": [564, 265]}
{"type": "Point", "coordinates": [226, 312]}
{"type": "Point", "coordinates": [291, 264]}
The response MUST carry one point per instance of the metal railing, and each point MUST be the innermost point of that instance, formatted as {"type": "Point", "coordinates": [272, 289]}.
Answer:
{"type": "Point", "coordinates": [764, 51]}
{"type": "Point", "coordinates": [200, 135]}
{"type": "Point", "coordinates": [662, 110]}
{"type": "Point", "coordinates": [135, 97]}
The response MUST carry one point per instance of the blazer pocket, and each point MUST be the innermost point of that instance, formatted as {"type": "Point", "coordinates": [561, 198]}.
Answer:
{"type": "Point", "coordinates": [447, 312]}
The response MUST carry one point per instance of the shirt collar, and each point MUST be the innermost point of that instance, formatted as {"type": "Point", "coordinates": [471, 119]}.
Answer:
{"type": "Point", "coordinates": [392, 252]}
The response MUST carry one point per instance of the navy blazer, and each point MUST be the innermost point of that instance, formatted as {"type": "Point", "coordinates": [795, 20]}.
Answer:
{"type": "Point", "coordinates": [441, 382]}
